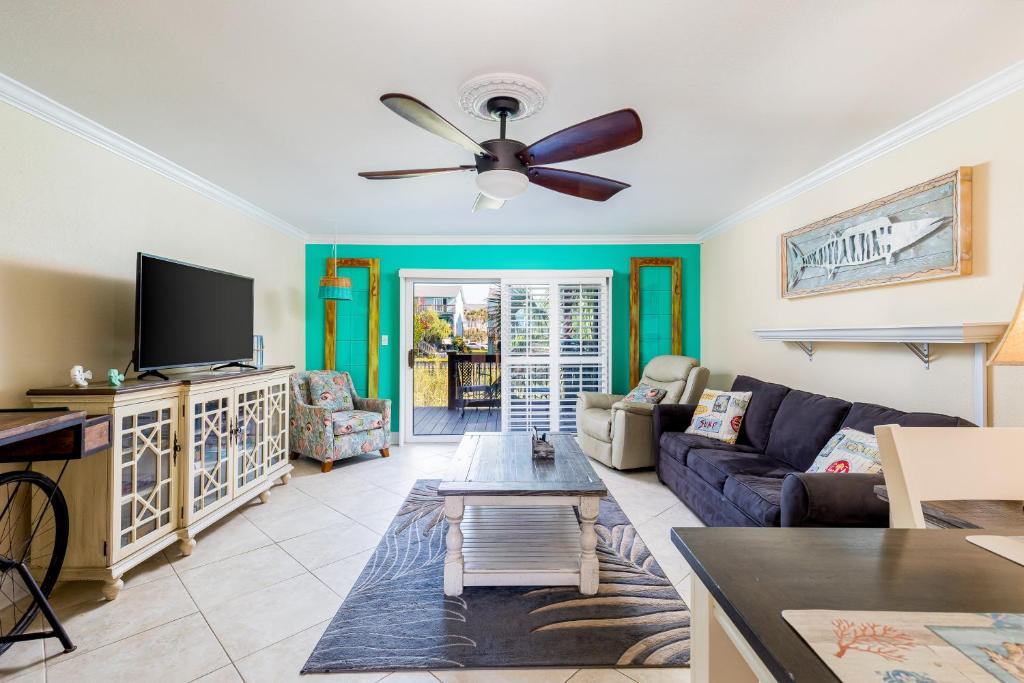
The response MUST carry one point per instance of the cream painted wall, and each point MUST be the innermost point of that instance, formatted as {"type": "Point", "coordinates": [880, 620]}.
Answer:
{"type": "Point", "coordinates": [72, 217]}
{"type": "Point", "coordinates": [740, 274]}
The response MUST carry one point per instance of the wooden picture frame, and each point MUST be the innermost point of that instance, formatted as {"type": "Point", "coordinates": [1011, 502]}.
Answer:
{"type": "Point", "coordinates": [635, 264]}
{"type": "Point", "coordinates": [865, 247]}
{"type": "Point", "coordinates": [373, 314]}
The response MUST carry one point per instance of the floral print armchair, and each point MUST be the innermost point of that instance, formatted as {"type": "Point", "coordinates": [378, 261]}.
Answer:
{"type": "Point", "coordinates": [317, 433]}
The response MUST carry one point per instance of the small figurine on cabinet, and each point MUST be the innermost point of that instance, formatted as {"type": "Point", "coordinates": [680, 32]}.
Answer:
{"type": "Point", "coordinates": [542, 448]}
{"type": "Point", "coordinates": [114, 378]}
{"type": "Point", "coordinates": [80, 376]}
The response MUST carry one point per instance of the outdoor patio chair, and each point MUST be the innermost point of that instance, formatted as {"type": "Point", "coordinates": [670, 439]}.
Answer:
{"type": "Point", "coordinates": [473, 388]}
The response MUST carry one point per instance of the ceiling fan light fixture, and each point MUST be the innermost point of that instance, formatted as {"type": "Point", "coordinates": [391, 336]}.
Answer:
{"type": "Point", "coordinates": [502, 184]}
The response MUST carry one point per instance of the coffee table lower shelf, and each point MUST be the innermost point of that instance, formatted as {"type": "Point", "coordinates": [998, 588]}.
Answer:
{"type": "Point", "coordinates": [513, 546]}
{"type": "Point", "coordinates": [503, 543]}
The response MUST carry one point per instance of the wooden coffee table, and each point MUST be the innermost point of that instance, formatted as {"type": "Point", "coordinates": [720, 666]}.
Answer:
{"type": "Point", "coordinates": [511, 520]}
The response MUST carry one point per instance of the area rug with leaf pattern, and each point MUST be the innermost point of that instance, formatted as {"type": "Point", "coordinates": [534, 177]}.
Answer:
{"type": "Point", "coordinates": [397, 617]}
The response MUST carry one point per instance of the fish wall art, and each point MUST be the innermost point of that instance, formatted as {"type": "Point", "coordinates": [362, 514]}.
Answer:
{"type": "Point", "coordinates": [920, 233]}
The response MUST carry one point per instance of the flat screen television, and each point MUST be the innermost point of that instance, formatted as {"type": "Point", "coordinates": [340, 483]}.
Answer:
{"type": "Point", "coordinates": [188, 315]}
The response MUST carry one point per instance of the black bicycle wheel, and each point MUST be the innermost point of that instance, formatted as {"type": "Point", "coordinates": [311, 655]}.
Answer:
{"type": "Point", "coordinates": [33, 530]}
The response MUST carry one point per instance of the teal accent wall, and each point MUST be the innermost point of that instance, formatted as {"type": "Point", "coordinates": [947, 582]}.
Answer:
{"type": "Point", "coordinates": [504, 257]}
{"type": "Point", "coordinates": [351, 347]}
{"type": "Point", "coordinates": [655, 312]}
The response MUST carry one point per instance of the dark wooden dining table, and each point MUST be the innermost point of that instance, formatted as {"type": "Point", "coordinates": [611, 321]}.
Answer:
{"type": "Point", "coordinates": [745, 577]}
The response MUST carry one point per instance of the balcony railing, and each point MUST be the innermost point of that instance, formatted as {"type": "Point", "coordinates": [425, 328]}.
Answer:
{"type": "Point", "coordinates": [441, 309]}
{"type": "Point", "coordinates": [473, 381]}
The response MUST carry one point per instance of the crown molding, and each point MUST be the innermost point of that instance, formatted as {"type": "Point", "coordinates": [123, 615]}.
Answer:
{"type": "Point", "coordinates": [22, 97]}
{"type": "Point", "coordinates": [993, 88]}
{"type": "Point", "coordinates": [447, 240]}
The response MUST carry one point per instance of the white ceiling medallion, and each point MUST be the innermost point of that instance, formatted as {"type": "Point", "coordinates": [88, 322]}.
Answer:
{"type": "Point", "coordinates": [474, 93]}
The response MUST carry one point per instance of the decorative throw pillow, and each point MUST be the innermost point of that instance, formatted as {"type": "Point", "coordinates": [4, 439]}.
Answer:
{"type": "Point", "coordinates": [849, 451]}
{"type": "Point", "coordinates": [330, 391]}
{"type": "Point", "coordinates": [645, 393]}
{"type": "Point", "coordinates": [719, 414]}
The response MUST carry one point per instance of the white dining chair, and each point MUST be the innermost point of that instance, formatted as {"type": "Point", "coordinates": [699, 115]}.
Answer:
{"type": "Point", "coordinates": [943, 463]}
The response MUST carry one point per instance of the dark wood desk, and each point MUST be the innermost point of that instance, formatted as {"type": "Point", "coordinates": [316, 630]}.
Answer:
{"type": "Point", "coordinates": [29, 435]}
{"type": "Point", "coordinates": [968, 514]}
{"type": "Point", "coordinates": [748, 576]}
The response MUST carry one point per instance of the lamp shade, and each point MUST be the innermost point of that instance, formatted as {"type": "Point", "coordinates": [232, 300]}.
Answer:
{"type": "Point", "coordinates": [1011, 347]}
{"type": "Point", "coordinates": [335, 288]}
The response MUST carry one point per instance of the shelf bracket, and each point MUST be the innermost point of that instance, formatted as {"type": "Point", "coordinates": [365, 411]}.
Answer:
{"type": "Point", "coordinates": [807, 348]}
{"type": "Point", "coordinates": [922, 351]}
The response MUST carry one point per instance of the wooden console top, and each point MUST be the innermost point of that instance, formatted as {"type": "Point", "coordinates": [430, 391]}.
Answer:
{"type": "Point", "coordinates": [101, 388]}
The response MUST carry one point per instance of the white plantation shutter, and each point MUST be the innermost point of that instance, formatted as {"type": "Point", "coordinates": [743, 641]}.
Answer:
{"type": "Point", "coordinates": [573, 379]}
{"type": "Point", "coordinates": [529, 321]}
{"type": "Point", "coordinates": [525, 353]}
{"type": "Point", "coordinates": [583, 346]}
{"type": "Point", "coordinates": [581, 319]}
{"type": "Point", "coordinates": [555, 344]}
{"type": "Point", "coordinates": [529, 399]}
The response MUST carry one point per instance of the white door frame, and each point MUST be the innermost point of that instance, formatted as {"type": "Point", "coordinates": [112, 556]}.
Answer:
{"type": "Point", "coordinates": [408, 277]}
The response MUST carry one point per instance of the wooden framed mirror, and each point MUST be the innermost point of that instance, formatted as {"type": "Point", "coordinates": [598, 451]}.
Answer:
{"type": "Point", "coordinates": [655, 310]}
{"type": "Point", "coordinates": [352, 328]}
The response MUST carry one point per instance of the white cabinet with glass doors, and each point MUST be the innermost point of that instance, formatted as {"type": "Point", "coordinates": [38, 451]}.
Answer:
{"type": "Point", "coordinates": [186, 452]}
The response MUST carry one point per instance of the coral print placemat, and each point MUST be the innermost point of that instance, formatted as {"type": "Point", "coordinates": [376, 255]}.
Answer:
{"type": "Point", "coordinates": [915, 647]}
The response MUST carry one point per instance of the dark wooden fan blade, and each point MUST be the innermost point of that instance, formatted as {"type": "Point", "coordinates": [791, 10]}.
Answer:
{"type": "Point", "coordinates": [485, 202]}
{"type": "Point", "coordinates": [596, 136]}
{"type": "Point", "coordinates": [580, 185]}
{"type": "Point", "coordinates": [412, 172]}
{"type": "Point", "coordinates": [414, 111]}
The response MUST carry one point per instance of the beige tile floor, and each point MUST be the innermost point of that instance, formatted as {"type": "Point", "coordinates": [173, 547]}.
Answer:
{"type": "Point", "coordinates": [261, 586]}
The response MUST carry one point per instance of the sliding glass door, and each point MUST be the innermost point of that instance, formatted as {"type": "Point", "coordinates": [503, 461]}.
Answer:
{"type": "Point", "coordinates": [501, 350]}
{"type": "Point", "coordinates": [455, 358]}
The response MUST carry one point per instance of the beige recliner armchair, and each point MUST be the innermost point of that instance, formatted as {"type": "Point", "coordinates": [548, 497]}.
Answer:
{"type": "Point", "coordinates": [620, 434]}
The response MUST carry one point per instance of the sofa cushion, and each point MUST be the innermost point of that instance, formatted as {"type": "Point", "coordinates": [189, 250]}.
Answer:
{"type": "Point", "coordinates": [757, 497]}
{"type": "Point", "coordinates": [715, 466]}
{"type": "Point", "coordinates": [850, 450]}
{"type": "Point", "coordinates": [352, 421]}
{"type": "Point", "coordinates": [645, 393]}
{"type": "Point", "coordinates": [705, 501]}
{"type": "Point", "coordinates": [764, 404]}
{"type": "Point", "coordinates": [330, 390]}
{"type": "Point", "coordinates": [595, 423]}
{"type": "Point", "coordinates": [677, 445]}
{"type": "Point", "coordinates": [864, 417]}
{"type": "Point", "coordinates": [719, 414]}
{"type": "Point", "coordinates": [804, 424]}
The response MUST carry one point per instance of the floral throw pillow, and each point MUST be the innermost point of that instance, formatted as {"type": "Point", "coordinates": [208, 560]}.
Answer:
{"type": "Point", "coordinates": [719, 414]}
{"type": "Point", "coordinates": [645, 393]}
{"type": "Point", "coordinates": [331, 392]}
{"type": "Point", "coordinates": [849, 451]}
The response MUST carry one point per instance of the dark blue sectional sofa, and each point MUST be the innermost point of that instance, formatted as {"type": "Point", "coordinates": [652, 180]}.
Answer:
{"type": "Point", "coordinates": [761, 479]}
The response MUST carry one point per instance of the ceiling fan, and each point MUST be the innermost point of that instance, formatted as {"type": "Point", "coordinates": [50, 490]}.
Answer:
{"type": "Point", "coordinates": [505, 167]}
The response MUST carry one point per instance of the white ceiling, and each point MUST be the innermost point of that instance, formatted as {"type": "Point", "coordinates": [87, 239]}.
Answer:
{"type": "Point", "coordinates": [278, 101]}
